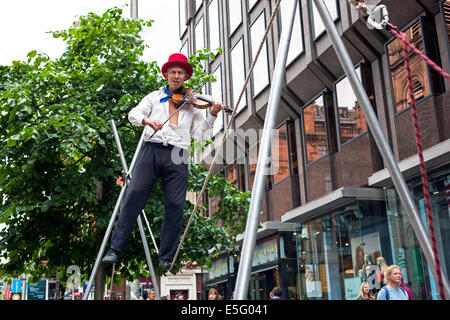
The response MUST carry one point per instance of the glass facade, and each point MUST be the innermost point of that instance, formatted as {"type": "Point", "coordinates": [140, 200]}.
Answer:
{"type": "Point", "coordinates": [315, 129]}
{"type": "Point", "coordinates": [339, 250]}
{"type": "Point", "coordinates": [407, 252]}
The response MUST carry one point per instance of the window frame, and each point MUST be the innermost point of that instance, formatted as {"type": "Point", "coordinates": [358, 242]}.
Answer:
{"type": "Point", "coordinates": [288, 123]}
{"type": "Point", "coordinates": [362, 69]}
{"type": "Point", "coordinates": [302, 32]}
{"type": "Point", "coordinates": [254, 95]}
{"type": "Point", "coordinates": [311, 15]}
{"type": "Point", "coordinates": [209, 28]}
{"type": "Point", "coordinates": [323, 93]}
{"type": "Point", "coordinates": [182, 32]}
{"type": "Point", "coordinates": [221, 90]}
{"type": "Point", "coordinates": [244, 102]}
{"type": "Point", "coordinates": [231, 32]}
{"type": "Point", "coordinates": [444, 30]}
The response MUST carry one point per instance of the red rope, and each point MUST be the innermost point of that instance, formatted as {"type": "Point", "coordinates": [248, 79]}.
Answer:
{"type": "Point", "coordinates": [402, 36]}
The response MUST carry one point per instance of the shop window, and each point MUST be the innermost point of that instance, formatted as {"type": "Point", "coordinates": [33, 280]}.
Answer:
{"type": "Point", "coordinates": [284, 155]}
{"type": "Point", "coordinates": [352, 122]}
{"type": "Point", "coordinates": [213, 25]}
{"type": "Point", "coordinates": [238, 73]}
{"type": "Point", "coordinates": [342, 249]}
{"type": "Point", "coordinates": [318, 26]}
{"type": "Point", "coordinates": [216, 93]}
{"type": "Point", "coordinates": [296, 42]}
{"type": "Point", "coordinates": [399, 79]}
{"type": "Point", "coordinates": [407, 251]}
{"type": "Point", "coordinates": [260, 76]}
{"type": "Point", "coordinates": [182, 12]}
{"type": "Point", "coordinates": [315, 129]}
{"type": "Point", "coordinates": [234, 15]}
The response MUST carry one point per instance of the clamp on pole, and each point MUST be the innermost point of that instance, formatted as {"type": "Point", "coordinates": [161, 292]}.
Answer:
{"type": "Point", "coordinates": [379, 11]}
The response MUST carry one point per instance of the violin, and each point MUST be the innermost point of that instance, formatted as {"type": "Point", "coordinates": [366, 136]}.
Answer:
{"type": "Point", "coordinates": [199, 101]}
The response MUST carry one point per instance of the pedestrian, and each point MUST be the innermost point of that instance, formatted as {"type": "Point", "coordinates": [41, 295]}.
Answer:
{"type": "Point", "coordinates": [275, 294]}
{"type": "Point", "coordinates": [364, 292]}
{"type": "Point", "coordinates": [408, 290]}
{"type": "Point", "coordinates": [392, 290]}
{"type": "Point", "coordinates": [152, 295]}
{"type": "Point", "coordinates": [163, 156]}
{"type": "Point", "coordinates": [179, 296]}
{"type": "Point", "coordinates": [213, 294]}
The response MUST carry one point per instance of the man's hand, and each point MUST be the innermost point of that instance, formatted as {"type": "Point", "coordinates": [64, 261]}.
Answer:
{"type": "Point", "coordinates": [154, 124]}
{"type": "Point", "coordinates": [216, 108]}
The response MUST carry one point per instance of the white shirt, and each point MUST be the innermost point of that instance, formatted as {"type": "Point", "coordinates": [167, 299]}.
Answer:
{"type": "Point", "coordinates": [191, 121]}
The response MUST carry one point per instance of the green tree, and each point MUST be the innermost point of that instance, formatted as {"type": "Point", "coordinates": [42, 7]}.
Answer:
{"type": "Point", "coordinates": [59, 163]}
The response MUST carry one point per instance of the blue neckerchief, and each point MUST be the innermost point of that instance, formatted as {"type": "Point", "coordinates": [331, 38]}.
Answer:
{"type": "Point", "coordinates": [169, 94]}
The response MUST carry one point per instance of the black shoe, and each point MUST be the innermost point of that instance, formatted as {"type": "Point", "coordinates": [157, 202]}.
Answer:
{"type": "Point", "coordinates": [112, 256]}
{"type": "Point", "coordinates": [165, 264]}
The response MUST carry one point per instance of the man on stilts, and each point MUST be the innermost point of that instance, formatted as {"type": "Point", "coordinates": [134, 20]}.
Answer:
{"type": "Point", "coordinates": [164, 155]}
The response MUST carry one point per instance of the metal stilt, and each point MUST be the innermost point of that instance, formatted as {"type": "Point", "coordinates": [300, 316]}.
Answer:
{"type": "Point", "coordinates": [113, 218]}
{"type": "Point", "coordinates": [251, 229]}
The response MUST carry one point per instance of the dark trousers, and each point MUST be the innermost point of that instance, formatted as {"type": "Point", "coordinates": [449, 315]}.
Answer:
{"type": "Point", "coordinates": [155, 161]}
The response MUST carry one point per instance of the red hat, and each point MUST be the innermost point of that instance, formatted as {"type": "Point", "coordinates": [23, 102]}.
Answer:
{"type": "Point", "coordinates": [180, 60]}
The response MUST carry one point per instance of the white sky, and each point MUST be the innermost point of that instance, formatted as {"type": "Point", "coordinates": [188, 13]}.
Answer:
{"type": "Point", "coordinates": [24, 23]}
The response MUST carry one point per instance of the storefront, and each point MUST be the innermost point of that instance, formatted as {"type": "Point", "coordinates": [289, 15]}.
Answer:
{"type": "Point", "coordinates": [219, 276]}
{"type": "Point", "coordinates": [407, 254]}
{"type": "Point", "coordinates": [342, 239]}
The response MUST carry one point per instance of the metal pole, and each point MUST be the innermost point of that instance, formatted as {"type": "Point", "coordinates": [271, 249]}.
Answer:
{"type": "Point", "coordinates": [139, 220]}
{"type": "Point", "coordinates": [382, 144]}
{"type": "Point", "coordinates": [262, 167]}
{"type": "Point", "coordinates": [134, 9]}
{"type": "Point", "coordinates": [111, 222]}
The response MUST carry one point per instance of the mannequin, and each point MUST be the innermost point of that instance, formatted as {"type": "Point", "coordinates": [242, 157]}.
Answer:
{"type": "Point", "coordinates": [382, 268]}
{"type": "Point", "coordinates": [371, 272]}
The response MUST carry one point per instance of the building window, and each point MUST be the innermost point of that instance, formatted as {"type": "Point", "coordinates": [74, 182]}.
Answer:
{"type": "Point", "coordinates": [318, 26]}
{"type": "Point", "coordinates": [199, 35]}
{"type": "Point", "coordinates": [260, 76]}
{"type": "Point", "coordinates": [284, 156]}
{"type": "Point", "coordinates": [198, 4]}
{"type": "Point", "coordinates": [216, 92]}
{"type": "Point", "coordinates": [252, 161]}
{"type": "Point", "coordinates": [445, 8]}
{"type": "Point", "coordinates": [231, 173]}
{"type": "Point", "coordinates": [251, 3]}
{"type": "Point", "coordinates": [238, 74]}
{"type": "Point", "coordinates": [182, 17]}
{"type": "Point", "coordinates": [214, 26]}
{"type": "Point", "coordinates": [234, 15]}
{"type": "Point", "coordinates": [296, 43]}
{"type": "Point", "coordinates": [185, 48]}
{"type": "Point", "coordinates": [352, 122]}
{"type": "Point", "coordinates": [315, 129]}
{"type": "Point", "coordinates": [399, 79]}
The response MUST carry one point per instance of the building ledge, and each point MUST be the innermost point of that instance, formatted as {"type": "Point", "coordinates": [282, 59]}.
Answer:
{"type": "Point", "coordinates": [268, 228]}
{"type": "Point", "coordinates": [331, 201]}
{"type": "Point", "coordinates": [434, 156]}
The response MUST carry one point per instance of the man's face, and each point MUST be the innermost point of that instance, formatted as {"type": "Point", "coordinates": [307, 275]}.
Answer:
{"type": "Point", "coordinates": [396, 276]}
{"type": "Point", "coordinates": [176, 77]}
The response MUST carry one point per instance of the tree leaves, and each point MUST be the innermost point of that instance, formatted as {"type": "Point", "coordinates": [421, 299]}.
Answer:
{"type": "Point", "coordinates": [58, 158]}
